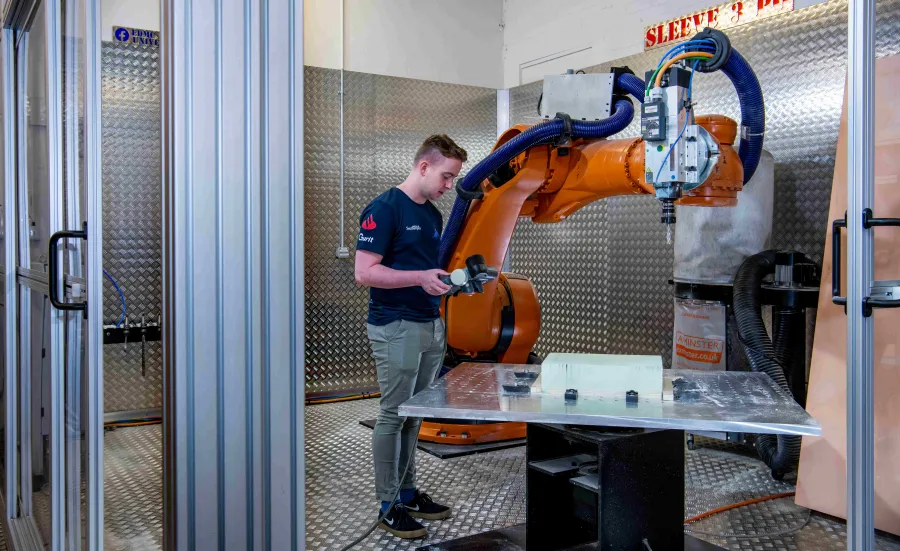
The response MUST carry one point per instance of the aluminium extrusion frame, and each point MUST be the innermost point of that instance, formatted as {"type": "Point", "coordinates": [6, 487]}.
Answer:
{"type": "Point", "coordinates": [93, 167]}
{"type": "Point", "coordinates": [7, 51]}
{"type": "Point", "coordinates": [72, 263]}
{"type": "Point", "coordinates": [258, 338]}
{"type": "Point", "coordinates": [860, 328]}
{"type": "Point", "coordinates": [24, 260]}
{"type": "Point", "coordinates": [53, 40]}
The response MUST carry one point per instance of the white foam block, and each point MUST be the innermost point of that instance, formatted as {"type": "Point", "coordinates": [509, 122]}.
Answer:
{"type": "Point", "coordinates": [602, 374]}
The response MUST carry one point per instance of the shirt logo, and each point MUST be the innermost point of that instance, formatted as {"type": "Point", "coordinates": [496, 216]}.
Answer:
{"type": "Point", "coordinates": [369, 223]}
{"type": "Point", "coordinates": [365, 239]}
{"type": "Point", "coordinates": [413, 228]}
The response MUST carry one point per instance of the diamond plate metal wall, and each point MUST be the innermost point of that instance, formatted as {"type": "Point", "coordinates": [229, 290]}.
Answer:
{"type": "Point", "coordinates": [385, 120]}
{"type": "Point", "coordinates": [605, 288]}
{"type": "Point", "coordinates": [132, 207]}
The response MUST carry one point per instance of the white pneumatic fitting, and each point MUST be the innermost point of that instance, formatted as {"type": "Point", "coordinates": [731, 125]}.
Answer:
{"type": "Point", "coordinates": [459, 277]}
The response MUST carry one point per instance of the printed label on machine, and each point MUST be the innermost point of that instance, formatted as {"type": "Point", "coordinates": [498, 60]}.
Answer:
{"type": "Point", "coordinates": [699, 341]}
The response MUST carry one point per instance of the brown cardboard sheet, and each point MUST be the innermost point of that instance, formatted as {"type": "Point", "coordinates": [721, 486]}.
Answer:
{"type": "Point", "coordinates": [823, 460]}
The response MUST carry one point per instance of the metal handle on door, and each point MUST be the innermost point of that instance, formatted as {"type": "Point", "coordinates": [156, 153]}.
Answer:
{"type": "Point", "coordinates": [55, 300]}
{"type": "Point", "coordinates": [869, 303]}
{"type": "Point", "coordinates": [836, 261]}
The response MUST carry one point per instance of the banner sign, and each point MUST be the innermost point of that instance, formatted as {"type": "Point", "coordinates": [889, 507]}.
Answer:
{"type": "Point", "coordinates": [721, 17]}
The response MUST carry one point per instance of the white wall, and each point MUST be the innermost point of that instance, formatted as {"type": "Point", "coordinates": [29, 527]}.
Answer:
{"type": "Point", "coordinates": [542, 38]}
{"type": "Point", "coordinates": [140, 14]}
{"type": "Point", "coordinates": [458, 41]}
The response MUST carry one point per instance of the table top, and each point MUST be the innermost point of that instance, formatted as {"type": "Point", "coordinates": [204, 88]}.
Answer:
{"type": "Point", "coordinates": [717, 401]}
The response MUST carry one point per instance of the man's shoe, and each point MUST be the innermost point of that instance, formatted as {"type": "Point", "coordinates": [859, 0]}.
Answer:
{"type": "Point", "coordinates": [398, 522]}
{"type": "Point", "coordinates": [424, 507]}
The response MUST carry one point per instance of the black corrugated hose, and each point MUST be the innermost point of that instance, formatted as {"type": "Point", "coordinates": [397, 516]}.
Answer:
{"type": "Point", "coordinates": [781, 453]}
{"type": "Point", "coordinates": [785, 335]}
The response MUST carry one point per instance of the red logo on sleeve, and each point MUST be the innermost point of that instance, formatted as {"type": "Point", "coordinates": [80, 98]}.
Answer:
{"type": "Point", "coordinates": [369, 223]}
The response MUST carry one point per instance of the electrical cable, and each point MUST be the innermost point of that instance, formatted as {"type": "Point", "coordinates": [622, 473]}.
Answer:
{"type": "Point", "coordinates": [683, 128]}
{"type": "Point", "coordinates": [687, 55]}
{"type": "Point", "coordinates": [688, 47]}
{"type": "Point", "coordinates": [700, 45]}
{"type": "Point", "coordinates": [384, 513]}
{"type": "Point", "coordinates": [336, 399]}
{"type": "Point", "coordinates": [718, 510]}
{"type": "Point", "coordinates": [707, 43]}
{"type": "Point", "coordinates": [122, 424]}
{"type": "Point", "coordinates": [787, 532]}
{"type": "Point", "coordinates": [412, 454]}
{"type": "Point", "coordinates": [121, 297]}
{"type": "Point", "coordinates": [708, 514]}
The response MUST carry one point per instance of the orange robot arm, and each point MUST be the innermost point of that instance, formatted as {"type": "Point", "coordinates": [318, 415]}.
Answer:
{"type": "Point", "coordinates": [548, 184]}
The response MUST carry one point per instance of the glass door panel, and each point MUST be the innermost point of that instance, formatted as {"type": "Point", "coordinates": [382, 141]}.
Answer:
{"type": "Point", "coordinates": [50, 81]}
{"type": "Point", "coordinates": [35, 322]}
{"type": "Point", "coordinates": [43, 396]}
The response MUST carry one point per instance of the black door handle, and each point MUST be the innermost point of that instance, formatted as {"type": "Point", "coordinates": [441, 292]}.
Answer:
{"type": "Point", "coordinates": [836, 261]}
{"type": "Point", "coordinates": [55, 300]}
{"type": "Point", "coordinates": [869, 222]}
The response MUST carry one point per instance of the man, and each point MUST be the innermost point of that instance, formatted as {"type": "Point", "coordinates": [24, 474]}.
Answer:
{"type": "Point", "coordinates": [397, 257]}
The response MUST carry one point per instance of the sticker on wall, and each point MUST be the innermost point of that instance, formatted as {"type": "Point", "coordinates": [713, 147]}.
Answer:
{"type": "Point", "coordinates": [136, 36]}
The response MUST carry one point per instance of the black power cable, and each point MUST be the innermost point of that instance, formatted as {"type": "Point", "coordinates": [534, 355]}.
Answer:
{"type": "Point", "coordinates": [372, 528]}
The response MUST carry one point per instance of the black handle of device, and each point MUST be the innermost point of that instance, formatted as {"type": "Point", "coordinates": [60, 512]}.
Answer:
{"type": "Point", "coordinates": [53, 268]}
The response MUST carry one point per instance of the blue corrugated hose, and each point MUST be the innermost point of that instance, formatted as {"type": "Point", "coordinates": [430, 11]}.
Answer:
{"type": "Point", "coordinates": [633, 85]}
{"type": "Point", "coordinates": [121, 297]}
{"type": "Point", "coordinates": [537, 134]}
{"type": "Point", "coordinates": [753, 110]}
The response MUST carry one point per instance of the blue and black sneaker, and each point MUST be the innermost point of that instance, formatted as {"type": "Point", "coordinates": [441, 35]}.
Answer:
{"type": "Point", "coordinates": [422, 506]}
{"type": "Point", "coordinates": [398, 522]}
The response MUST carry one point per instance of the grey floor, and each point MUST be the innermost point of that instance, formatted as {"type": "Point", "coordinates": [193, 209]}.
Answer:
{"type": "Point", "coordinates": [132, 474]}
{"type": "Point", "coordinates": [486, 491]}
{"type": "Point", "coordinates": [132, 491]}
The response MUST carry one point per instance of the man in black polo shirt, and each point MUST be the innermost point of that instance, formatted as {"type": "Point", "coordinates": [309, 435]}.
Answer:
{"type": "Point", "coordinates": [397, 257]}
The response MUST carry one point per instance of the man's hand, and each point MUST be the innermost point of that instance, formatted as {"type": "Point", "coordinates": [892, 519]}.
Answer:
{"type": "Point", "coordinates": [429, 280]}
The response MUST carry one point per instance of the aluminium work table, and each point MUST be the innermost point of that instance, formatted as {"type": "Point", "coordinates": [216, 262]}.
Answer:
{"type": "Point", "coordinates": [604, 473]}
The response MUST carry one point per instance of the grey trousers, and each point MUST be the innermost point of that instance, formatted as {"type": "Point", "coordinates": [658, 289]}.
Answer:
{"type": "Point", "coordinates": [408, 357]}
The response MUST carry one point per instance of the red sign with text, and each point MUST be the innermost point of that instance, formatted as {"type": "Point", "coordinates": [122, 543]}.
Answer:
{"type": "Point", "coordinates": [721, 17]}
